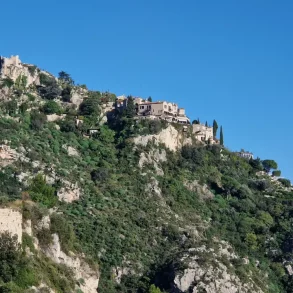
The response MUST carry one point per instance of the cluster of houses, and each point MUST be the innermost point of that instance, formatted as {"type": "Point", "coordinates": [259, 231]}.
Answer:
{"type": "Point", "coordinates": [245, 155]}
{"type": "Point", "coordinates": [155, 110]}
{"type": "Point", "coordinates": [170, 112]}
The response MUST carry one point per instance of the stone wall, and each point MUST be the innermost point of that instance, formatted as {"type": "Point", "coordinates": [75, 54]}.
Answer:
{"type": "Point", "coordinates": [13, 68]}
{"type": "Point", "coordinates": [11, 221]}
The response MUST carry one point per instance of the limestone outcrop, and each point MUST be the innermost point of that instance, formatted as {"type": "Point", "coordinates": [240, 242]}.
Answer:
{"type": "Point", "coordinates": [169, 136]}
{"type": "Point", "coordinates": [154, 157]}
{"type": "Point", "coordinates": [69, 192]}
{"type": "Point", "coordinates": [206, 271]}
{"type": "Point", "coordinates": [202, 190]}
{"type": "Point", "coordinates": [55, 117]}
{"type": "Point", "coordinates": [80, 268]}
{"type": "Point", "coordinates": [7, 155]}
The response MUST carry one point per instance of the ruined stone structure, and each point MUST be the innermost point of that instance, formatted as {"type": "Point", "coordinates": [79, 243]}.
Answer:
{"type": "Point", "coordinates": [11, 221]}
{"type": "Point", "coordinates": [13, 68]}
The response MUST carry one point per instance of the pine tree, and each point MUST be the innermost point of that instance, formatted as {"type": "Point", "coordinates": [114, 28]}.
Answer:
{"type": "Point", "coordinates": [215, 128]}
{"type": "Point", "coordinates": [221, 136]}
{"type": "Point", "coordinates": [206, 123]}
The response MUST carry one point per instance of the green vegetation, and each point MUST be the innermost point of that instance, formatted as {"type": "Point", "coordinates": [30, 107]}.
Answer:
{"type": "Point", "coordinates": [41, 192]}
{"type": "Point", "coordinates": [276, 173]}
{"type": "Point", "coordinates": [269, 164]}
{"type": "Point", "coordinates": [51, 107]}
{"type": "Point", "coordinates": [64, 77]}
{"type": "Point", "coordinates": [130, 217]}
{"type": "Point", "coordinates": [221, 136]}
{"type": "Point", "coordinates": [215, 128]}
{"type": "Point", "coordinates": [7, 82]}
{"type": "Point", "coordinates": [10, 257]}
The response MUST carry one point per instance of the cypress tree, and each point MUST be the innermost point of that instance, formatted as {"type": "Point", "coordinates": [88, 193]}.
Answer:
{"type": "Point", "coordinates": [215, 128]}
{"type": "Point", "coordinates": [221, 136]}
{"type": "Point", "coordinates": [129, 111]}
{"type": "Point", "coordinates": [206, 123]}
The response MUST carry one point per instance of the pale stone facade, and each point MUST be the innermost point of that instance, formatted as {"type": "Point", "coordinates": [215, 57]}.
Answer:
{"type": "Point", "coordinates": [11, 221]}
{"type": "Point", "coordinates": [163, 110]}
{"type": "Point", "coordinates": [202, 132]}
{"type": "Point", "coordinates": [154, 110]}
{"type": "Point", "coordinates": [245, 155]}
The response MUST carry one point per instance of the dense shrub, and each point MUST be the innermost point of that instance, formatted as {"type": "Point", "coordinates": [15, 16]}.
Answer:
{"type": "Point", "coordinates": [51, 107]}
{"type": "Point", "coordinates": [60, 226]}
{"type": "Point", "coordinates": [260, 185]}
{"type": "Point", "coordinates": [67, 125]}
{"type": "Point", "coordinates": [276, 173]}
{"type": "Point", "coordinates": [37, 120]}
{"type": "Point", "coordinates": [50, 92]}
{"type": "Point", "coordinates": [41, 192]}
{"type": "Point", "coordinates": [89, 106]}
{"type": "Point", "coordinates": [46, 79]}
{"type": "Point", "coordinates": [66, 94]}
{"type": "Point", "coordinates": [100, 175]}
{"type": "Point", "coordinates": [285, 182]}
{"type": "Point", "coordinates": [10, 257]}
{"type": "Point", "coordinates": [49, 89]}
{"type": "Point", "coordinates": [7, 82]}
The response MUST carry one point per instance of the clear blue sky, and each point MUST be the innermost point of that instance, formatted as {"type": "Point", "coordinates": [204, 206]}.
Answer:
{"type": "Point", "coordinates": [226, 60]}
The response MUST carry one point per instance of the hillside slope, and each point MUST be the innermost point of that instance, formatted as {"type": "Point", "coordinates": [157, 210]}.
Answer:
{"type": "Point", "coordinates": [120, 205]}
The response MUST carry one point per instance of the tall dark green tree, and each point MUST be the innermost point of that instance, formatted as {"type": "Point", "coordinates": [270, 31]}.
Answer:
{"type": "Point", "coordinates": [269, 164]}
{"type": "Point", "coordinates": [221, 136]}
{"type": "Point", "coordinates": [65, 77]}
{"type": "Point", "coordinates": [215, 128]}
{"type": "Point", "coordinates": [10, 257]}
{"type": "Point", "coordinates": [150, 99]}
{"type": "Point", "coordinates": [89, 106]}
{"type": "Point", "coordinates": [196, 121]}
{"type": "Point", "coordinates": [206, 124]}
{"type": "Point", "coordinates": [129, 111]}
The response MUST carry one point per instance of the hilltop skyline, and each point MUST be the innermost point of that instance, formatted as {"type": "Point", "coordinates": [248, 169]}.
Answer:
{"type": "Point", "coordinates": [226, 61]}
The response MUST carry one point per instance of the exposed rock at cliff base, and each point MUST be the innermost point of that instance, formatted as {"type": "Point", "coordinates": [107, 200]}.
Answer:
{"type": "Point", "coordinates": [80, 268]}
{"type": "Point", "coordinates": [205, 271]}
{"type": "Point", "coordinates": [169, 136]}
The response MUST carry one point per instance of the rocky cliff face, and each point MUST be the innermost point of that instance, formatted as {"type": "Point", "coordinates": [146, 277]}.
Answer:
{"type": "Point", "coordinates": [170, 136]}
{"type": "Point", "coordinates": [11, 220]}
{"type": "Point", "coordinates": [80, 268]}
{"type": "Point", "coordinates": [208, 270]}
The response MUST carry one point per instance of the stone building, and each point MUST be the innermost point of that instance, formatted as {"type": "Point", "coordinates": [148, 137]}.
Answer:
{"type": "Point", "coordinates": [245, 155]}
{"type": "Point", "coordinates": [154, 110]}
{"type": "Point", "coordinates": [13, 68]}
{"type": "Point", "coordinates": [203, 133]}
{"type": "Point", "coordinates": [6, 63]}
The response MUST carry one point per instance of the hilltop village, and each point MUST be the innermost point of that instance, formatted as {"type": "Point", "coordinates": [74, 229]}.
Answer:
{"type": "Point", "coordinates": [13, 69]}
{"type": "Point", "coordinates": [119, 194]}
